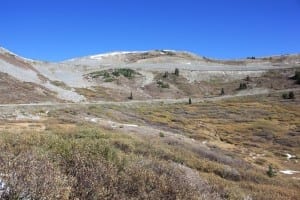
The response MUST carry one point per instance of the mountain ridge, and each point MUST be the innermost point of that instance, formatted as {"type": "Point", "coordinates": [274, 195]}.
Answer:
{"type": "Point", "coordinates": [117, 53]}
{"type": "Point", "coordinates": [148, 74]}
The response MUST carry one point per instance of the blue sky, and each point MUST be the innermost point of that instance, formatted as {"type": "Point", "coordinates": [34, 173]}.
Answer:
{"type": "Point", "coordinates": [55, 30]}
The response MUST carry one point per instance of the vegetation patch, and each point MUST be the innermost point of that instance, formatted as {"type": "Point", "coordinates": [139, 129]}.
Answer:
{"type": "Point", "coordinates": [111, 75]}
{"type": "Point", "coordinates": [161, 84]}
{"type": "Point", "coordinates": [297, 77]}
{"type": "Point", "coordinates": [60, 84]}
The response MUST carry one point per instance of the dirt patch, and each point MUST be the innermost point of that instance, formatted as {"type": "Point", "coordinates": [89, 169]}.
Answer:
{"type": "Point", "coordinates": [12, 59]}
{"type": "Point", "coordinates": [15, 91]}
{"type": "Point", "coordinates": [19, 127]}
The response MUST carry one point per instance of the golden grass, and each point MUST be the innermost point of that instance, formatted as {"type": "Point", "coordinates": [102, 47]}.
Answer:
{"type": "Point", "coordinates": [243, 139]}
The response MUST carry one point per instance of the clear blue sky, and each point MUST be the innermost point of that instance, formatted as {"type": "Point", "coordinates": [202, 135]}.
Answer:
{"type": "Point", "coordinates": [55, 30]}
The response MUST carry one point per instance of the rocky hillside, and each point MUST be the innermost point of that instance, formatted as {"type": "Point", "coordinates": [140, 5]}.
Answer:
{"type": "Point", "coordinates": [147, 75]}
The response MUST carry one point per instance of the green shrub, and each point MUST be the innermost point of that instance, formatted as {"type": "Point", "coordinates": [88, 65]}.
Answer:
{"type": "Point", "coordinates": [106, 74]}
{"type": "Point", "coordinates": [285, 96]}
{"type": "Point", "coordinates": [248, 78]}
{"type": "Point", "coordinates": [271, 172]}
{"type": "Point", "coordinates": [128, 73]}
{"type": "Point", "coordinates": [116, 73]}
{"type": "Point", "coordinates": [222, 91]}
{"type": "Point", "coordinates": [297, 77]}
{"type": "Point", "coordinates": [291, 95]}
{"type": "Point", "coordinates": [131, 96]}
{"type": "Point", "coordinates": [166, 75]}
{"type": "Point", "coordinates": [177, 72]}
{"type": "Point", "coordinates": [96, 74]}
{"type": "Point", "coordinates": [243, 86]}
{"type": "Point", "coordinates": [162, 84]}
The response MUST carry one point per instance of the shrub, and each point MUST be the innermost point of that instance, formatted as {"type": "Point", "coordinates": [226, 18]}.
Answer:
{"type": "Point", "coordinates": [285, 96]}
{"type": "Point", "coordinates": [106, 74]}
{"type": "Point", "coordinates": [30, 176]}
{"type": "Point", "coordinates": [229, 173]}
{"type": "Point", "coordinates": [177, 72]}
{"type": "Point", "coordinates": [297, 77]}
{"type": "Point", "coordinates": [160, 180]}
{"type": "Point", "coordinates": [128, 73]}
{"type": "Point", "coordinates": [162, 84]}
{"type": "Point", "coordinates": [166, 75]}
{"type": "Point", "coordinates": [115, 73]}
{"type": "Point", "coordinates": [96, 74]}
{"type": "Point", "coordinates": [291, 95]}
{"type": "Point", "coordinates": [161, 134]}
{"type": "Point", "coordinates": [109, 79]}
{"type": "Point", "coordinates": [190, 101]}
{"type": "Point", "coordinates": [248, 78]}
{"type": "Point", "coordinates": [271, 172]}
{"type": "Point", "coordinates": [130, 97]}
{"type": "Point", "coordinates": [222, 91]}
{"type": "Point", "coordinates": [243, 86]}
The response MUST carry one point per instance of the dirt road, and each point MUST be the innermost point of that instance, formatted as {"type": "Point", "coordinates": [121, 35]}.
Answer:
{"type": "Point", "coordinates": [153, 101]}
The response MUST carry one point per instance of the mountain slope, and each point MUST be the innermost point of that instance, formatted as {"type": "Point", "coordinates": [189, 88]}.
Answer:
{"type": "Point", "coordinates": [209, 129]}
{"type": "Point", "coordinates": [98, 77]}
{"type": "Point", "coordinates": [25, 70]}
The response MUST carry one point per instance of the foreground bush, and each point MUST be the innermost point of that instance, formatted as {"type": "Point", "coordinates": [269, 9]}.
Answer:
{"type": "Point", "coordinates": [85, 165]}
{"type": "Point", "coordinates": [29, 176]}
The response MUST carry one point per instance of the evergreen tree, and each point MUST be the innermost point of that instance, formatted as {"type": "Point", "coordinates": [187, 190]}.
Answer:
{"type": "Point", "coordinates": [222, 91]}
{"type": "Point", "coordinates": [271, 172]}
{"type": "Point", "coordinates": [177, 72]}
{"type": "Point", "coordinates": [130, 97]}
{"type": "Point", "coordinates": [291, 95]}
{"type": "Point", "coordinates": [166, 75]}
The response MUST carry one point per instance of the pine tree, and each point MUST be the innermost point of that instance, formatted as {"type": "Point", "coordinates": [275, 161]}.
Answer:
{"type": "Point", "coordinates": [248, 78]}
{"type": "Point", "coordinates": [130, 97]}
{"type": "Point", "coordinates": [177, 72]}
{"type": "Point", "coordinates": [271, 172]}
{"type": "Point", "coordinates": [291, 95]}
{"type": "Point", "coordinates": [166, 75]}
{"type": "Point", "coordinates": [222, 91]}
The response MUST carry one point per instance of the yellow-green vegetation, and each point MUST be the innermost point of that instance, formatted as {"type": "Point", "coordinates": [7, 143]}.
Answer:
{"type": "Point", "coordinates": [60, 84]}
{"type": "Point", "coordinates": [262, 124]}
{"type": "Point", "coordinates": [95, 93]}
{"type": "Point", "coordinates": [88, 163]}
{"type": "Point", "coordinates": [210, 150]}
{"type": "Point", "coordinates": [259, 131]}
